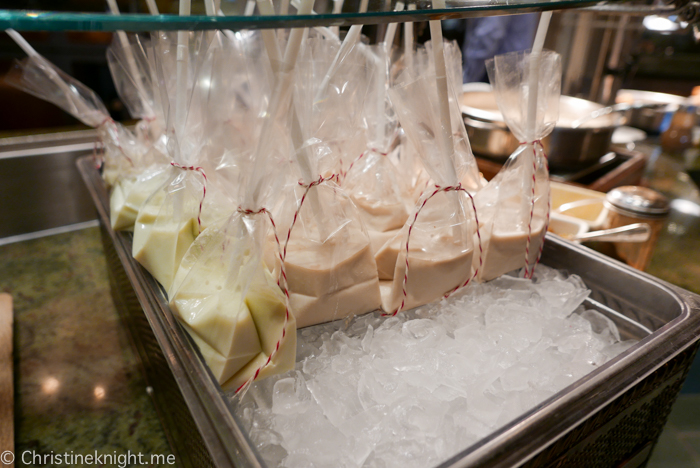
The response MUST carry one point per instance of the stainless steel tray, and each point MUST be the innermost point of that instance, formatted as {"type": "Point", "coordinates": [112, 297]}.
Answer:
{"type": "Point", "coordinates": [612, 416]}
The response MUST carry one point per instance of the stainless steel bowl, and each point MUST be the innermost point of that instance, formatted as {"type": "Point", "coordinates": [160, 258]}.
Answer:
{"type": "Point", "coordinates": [657, 106]}
{"type": "Point", "coordinates": [567, 148]}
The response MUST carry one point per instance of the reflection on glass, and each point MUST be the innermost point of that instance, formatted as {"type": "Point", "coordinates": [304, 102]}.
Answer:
{"type": "Point", "coordinates": [99, 392]}
{"type": "Point", "coordinates": [50, 385]}
{"type": "Point", "coordinates": [379, 11]}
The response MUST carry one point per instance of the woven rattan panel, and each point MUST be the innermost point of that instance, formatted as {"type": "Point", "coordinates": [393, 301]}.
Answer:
{"type": "Point", "coordinates": [623, 428]}
{"type": "Point", "coordinates": [178, 425]}
{"type": "Point", "coordinates": [608, 438]}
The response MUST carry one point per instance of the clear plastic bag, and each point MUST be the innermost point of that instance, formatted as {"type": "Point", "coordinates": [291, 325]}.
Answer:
{"type": "Point", "coordinates": [423, 131]}
{"type": "Point", "coordinates": [330, 266]}
{"type": "Point", "coordinates": [514, 206]}
{"type": "Point", "coordinates": [223, 293]}
{"type": "Point", "coordinates": [132, 167]}
{"type": "Point", "coordinates": [171, 218]}
{"type": "Point", "coordinates": [432, 254]}
{"type": "Point", "coordinates": [372, 180]}
{"type": "Point", "coordinates": [39, 77]}
{"type": "Point", "coordinates": [133, 79]}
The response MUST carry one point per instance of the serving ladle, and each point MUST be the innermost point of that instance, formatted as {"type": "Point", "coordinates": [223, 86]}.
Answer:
{"type": "Point", "coordinates": [638, 232]}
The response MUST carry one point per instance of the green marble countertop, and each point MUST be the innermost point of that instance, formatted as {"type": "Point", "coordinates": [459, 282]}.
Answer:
{"type": "Point", "coordinates": [78, 386]}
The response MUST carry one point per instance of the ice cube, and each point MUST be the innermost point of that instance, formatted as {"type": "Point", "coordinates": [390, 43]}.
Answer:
{"type": "Point", "coordinates": [415, 389]}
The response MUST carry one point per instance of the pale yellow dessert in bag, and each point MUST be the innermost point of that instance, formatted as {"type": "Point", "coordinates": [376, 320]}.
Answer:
{"type": "Point", "coordinates": [162, 237]}
{"type": "Point", "coordinates": [128, 196]}
{"type": "Point", "coordinates": [236, 325]}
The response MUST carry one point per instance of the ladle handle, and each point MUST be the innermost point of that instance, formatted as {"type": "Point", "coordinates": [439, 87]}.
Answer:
{"type": "Point", "coordinates": [639, 232]}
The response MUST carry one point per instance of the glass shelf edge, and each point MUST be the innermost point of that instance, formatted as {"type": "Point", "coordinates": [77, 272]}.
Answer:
{"type": "Point", "coordinates": [54, 21]}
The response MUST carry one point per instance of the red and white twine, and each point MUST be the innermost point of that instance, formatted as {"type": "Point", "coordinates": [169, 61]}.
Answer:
{"type": "Point", "coordinates": [282, 254]}
{"type": "Point", "coordinates": [285, 290]}
{"type": "Point", "coordinates": [438, 189]}
{"type": "Point", "coordinates": [308, 187]}
{"type": "Point", "coordinates": [343, 173]}
{"type": "Point", "coordinates": [108, 120]}
{"type": "Point", "coordinates": [530, 272]}
{"type": "Point", "coordinates": [204, 187]}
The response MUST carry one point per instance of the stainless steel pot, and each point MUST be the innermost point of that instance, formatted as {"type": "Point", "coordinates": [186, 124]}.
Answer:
{"type": "Point", "coordinates": [567, 148]}
{"type": "Point", "coordinates": [657, 106]}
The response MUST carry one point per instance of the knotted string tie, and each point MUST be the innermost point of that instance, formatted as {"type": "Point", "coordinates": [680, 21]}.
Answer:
{"type": "Point", "coordinates": [282, 284]}
{"type": "Point", "coordinates": [109, 120]}
{"type": "Point", "coordinates": [530, 272]}
{"type": "Point", "coordinates": [204, 187]}
{"type": "Point", "coordinates": [438, 189]}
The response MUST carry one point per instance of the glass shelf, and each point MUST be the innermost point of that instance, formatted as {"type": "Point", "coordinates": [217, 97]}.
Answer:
{"type": "Point", "coordinates": [377, 13]}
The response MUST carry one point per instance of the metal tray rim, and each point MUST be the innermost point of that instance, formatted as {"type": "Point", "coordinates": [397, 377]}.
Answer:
{"type": "Point", "coordinates": [214, 416]}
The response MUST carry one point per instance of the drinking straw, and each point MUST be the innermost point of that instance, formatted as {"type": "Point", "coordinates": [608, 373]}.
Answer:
{"type": "Point", "coordinates": [284, 10]}
{"type": "Point", "coordinates": [152, 7]}
{"type": "Point", "coordinates": [269, 39]}
{"type": "Point", "coordinates": [348, 43]}
{"type": "Point", "coordinates": [408, 41]}
{"type": "Point", "coordinates": [131, 62]}
{"type": "Point", "coordinates": [445, 129]}
{"type": "Point", "coordinates": [209, 7]}
{"type": "Point", "coordinates": [337, 9]}
{"type": "Point", "coordinates": [391, 29]}
{"type": "Point", "coordinates": [284, 7]}
{"type": "Point", "coordinates": [534, 75]}
{"type": "Point", "coordinates": [249, 8]}
{"type": "Point", "coordinates": [182, 58]}
{"type": "Point", "coordinates": [78, 104]}
{"type": "Point", "coordinates": [282, 87]}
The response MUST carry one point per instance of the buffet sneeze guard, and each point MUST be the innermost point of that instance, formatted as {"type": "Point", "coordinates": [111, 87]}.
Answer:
{"type": "Point", "coordinates": [612, 416]}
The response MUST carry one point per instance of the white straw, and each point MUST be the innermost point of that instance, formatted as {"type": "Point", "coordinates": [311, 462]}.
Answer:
{"type": "Point", "coordinates": [443, 95]}
{"type": "Point", "coordinates": [209, 7]}
{"type": "Point", "coordinates": [534, 75]}
{"type": "Point", "coordinates": [22, 42]}
{"type": "Point", "coordinates": [281, 89]}
{"type": "Point", "coordinates": [249, 8]}
{"type": "Point", "coordinates": [445, 130]}
{"type": "Point", "coordinates": [152, 7]}
{"type": "Point", "coordinates": [348, 43]}
{"type": "Point", "coordinates": [284, 10]}
{"type": "Point", "coordinates": [78, 105]}
{"type": "Point", "coordinates": [269, 38]}
{"type": "Point", "coordinates": [408, 41]}
{"type": "Point", "coordinates": [391, 29]}
{"type": "Point", "coordinates": [182, 58]}
{"type": "Point", "coordinates": [337, 8]}
{"type": "Point", "coordinates": [131, 63]}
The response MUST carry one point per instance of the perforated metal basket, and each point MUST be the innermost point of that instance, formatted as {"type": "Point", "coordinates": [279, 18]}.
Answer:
{"type": "Point", "coordinates": [612, 416]}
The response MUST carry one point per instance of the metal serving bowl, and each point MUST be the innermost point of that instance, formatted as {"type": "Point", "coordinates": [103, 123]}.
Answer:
{"type": "Point", "coordinates": [567, 148]}
{"type": "Point", "coordinates": [649, 118]}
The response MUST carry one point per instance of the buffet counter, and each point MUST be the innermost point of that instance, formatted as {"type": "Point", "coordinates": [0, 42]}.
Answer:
{"type": "Point", "coordinates": [78, 386]}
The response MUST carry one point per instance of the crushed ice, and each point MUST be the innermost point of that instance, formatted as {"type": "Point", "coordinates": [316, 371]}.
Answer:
{"type": "Point", "coordinates": [416, 389]}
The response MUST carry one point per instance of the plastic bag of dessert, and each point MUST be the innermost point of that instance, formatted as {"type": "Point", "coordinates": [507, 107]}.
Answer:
{"type": "Point", "coordinates": [223, 293]}
{"type": "Point", "coordinates": [175, 213]}
{"type": "Point", "coordinates": [514, 206]}
{"type": "Point", "coordinates": [133, 77]}
{"type": "Point", "coordinates": [39, 77]}
{"type": "Point", "coordinates": [329, 262]}
{"type": "Point", "coordinates": [372, 180]}
{"type": "Point", "coordinates": [242, 74]}
{"type": "Point", "coordinates": [422, 61]}
{"type": "Point", "coordinates": [330, 92]}
{"type": "Point", "coordinates": [432, 254]}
